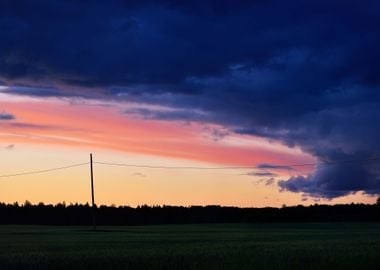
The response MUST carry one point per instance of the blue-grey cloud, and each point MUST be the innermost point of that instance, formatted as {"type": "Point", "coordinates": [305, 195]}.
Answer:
{"type": "Point", "coordinates": [268, 166]}
{"type": "Point", "coordinates": [269, 181]}
{"type": "Point", "coordinates": [6, 116]}
{"type": "Point", "coordinates": [10, 147]}
{"type": "Point", "coordinates": [139, 174]}
{"type": "Point", "coordinates": [266, 181]}
{"type": "Point", "coordinates": [34, 91]}
{"type": "Point", "coordinates": [159, 114]}
{"type": "Point", "coordinates": [22, 125]}
{"type": "Point", "coordinates": [303, 73]}
{"type": "Point", "coordinates": [262, 174]}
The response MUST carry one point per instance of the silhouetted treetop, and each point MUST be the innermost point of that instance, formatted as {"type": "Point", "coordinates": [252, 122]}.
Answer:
{"type": "Point", "coordinates": [81, 214]}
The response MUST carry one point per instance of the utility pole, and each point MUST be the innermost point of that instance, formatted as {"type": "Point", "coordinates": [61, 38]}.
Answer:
{"type": "Point", "coordinates": [92, 194]}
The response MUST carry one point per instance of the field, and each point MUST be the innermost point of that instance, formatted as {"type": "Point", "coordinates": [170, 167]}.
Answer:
{"type": "Point", "coordinates": [220, 246]}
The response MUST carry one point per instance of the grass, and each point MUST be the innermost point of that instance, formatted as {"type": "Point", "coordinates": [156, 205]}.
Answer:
{"type": "Point", "coordinates": [220, 246]}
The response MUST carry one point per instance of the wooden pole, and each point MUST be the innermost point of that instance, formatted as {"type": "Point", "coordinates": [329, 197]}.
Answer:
{"type": "Point", "coordinates": [92, 194]}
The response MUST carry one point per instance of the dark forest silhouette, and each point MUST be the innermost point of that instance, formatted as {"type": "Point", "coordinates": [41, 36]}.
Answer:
{"type": "Point", "coordinates": [79, 214]}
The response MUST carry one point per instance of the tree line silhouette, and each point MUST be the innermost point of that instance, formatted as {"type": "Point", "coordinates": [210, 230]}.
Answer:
{"type": "Point", "coordinates": [81, 214]}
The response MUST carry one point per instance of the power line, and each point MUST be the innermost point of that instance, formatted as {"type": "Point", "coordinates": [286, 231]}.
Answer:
{"type": "Point", "coordinates": [270, 166]}
{"type": "Point", "coordinates": [173, 167]}
{"type": "Point", "coordinates": [43, 171]}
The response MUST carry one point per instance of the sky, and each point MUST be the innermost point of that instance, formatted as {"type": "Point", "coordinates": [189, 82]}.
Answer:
{"type": "Point", "coordinates": [239, 103]}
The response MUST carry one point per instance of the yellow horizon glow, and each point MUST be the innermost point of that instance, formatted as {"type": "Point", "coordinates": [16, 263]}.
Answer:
{"type": "Point", "coordinates": [136, 186]}
{"type": "Point", "coordinates": [54, 132]}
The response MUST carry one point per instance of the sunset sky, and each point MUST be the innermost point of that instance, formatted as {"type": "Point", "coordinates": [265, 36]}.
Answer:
{"type": "Point", "coordinates": [181, 93]}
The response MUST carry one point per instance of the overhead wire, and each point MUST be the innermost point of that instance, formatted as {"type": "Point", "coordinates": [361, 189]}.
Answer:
{"type": "Point", "coordinates": [269, 166]}
{"type": "Point", "coordinates": [43, 171]}
{"type": "Point", "coordinates": [172, 167]}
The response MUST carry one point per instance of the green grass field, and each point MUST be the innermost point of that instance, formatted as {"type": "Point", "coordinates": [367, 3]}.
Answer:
{"type": "Point", "coordinates": [221, 246]}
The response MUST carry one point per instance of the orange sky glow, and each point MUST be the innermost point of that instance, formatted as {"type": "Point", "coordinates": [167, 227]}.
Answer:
{"type": "Point", "coordinates": [55, 132]}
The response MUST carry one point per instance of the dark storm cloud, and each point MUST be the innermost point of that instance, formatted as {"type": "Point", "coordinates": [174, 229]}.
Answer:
{"type": "Point", "coordinates": [301, 72]}
{"type": "Point", "coordinates": [335, 181]}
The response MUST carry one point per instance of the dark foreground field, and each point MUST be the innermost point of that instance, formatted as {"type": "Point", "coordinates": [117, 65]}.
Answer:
{"type": "Point", "coordinates": [243, 246]}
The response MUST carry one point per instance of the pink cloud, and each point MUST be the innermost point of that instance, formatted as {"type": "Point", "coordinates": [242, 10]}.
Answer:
{"type": "Point", "coordinates": [86, 126]}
